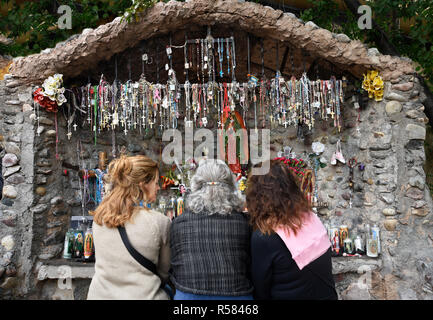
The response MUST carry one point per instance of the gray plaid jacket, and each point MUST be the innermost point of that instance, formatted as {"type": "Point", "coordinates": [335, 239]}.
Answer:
{"type": "Point", "coordinates": [210, 254]}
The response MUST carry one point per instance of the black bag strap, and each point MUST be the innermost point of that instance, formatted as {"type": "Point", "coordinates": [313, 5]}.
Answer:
{"type": "Point", "coordinates": [137, 255]}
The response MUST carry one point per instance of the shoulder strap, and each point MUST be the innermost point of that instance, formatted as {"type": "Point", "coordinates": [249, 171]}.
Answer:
{"type": "Point", "coordinates": [135, 254]}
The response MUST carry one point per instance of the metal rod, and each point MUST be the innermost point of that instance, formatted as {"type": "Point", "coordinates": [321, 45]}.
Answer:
{"type": "Point", "coordinates": [214, 40]}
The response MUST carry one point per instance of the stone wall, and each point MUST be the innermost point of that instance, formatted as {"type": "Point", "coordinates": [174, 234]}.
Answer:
{"type": "Point", "coordinates": [39, 198]}
{"type": "Point", "coordinates": [16, 227]}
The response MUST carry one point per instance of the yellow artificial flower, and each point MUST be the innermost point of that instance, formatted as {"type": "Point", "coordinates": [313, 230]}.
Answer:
{"type": "Point", "coordinates": [373, 84]}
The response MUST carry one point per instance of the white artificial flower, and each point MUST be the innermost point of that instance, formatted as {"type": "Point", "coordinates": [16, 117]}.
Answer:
{"type": "Point", "coordinates": [61, 99]}
{"type": "Point", "coordinates": [49, 91]}
{"type": "Point", "coordinates": [318, 147]}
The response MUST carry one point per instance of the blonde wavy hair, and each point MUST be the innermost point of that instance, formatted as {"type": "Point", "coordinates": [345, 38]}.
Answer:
{"type": "Point", "coordinates": [124, 176]}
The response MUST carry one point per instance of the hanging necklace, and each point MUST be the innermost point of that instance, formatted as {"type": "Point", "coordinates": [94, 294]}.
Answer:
{"type": "Point", "coordinates": [221, 55]}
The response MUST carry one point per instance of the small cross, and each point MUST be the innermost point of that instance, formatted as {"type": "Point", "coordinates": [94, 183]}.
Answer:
{"type": "Point", "coordinates": [125, 131]}
{"type": "Point", "coordinates": [188, 123]}
{"type": "Point", "coordinates": [285, 123]}
{"type": "Point", "coordinates": [75, 127]}
{"type": "Point", "coordinates": [69, 135]}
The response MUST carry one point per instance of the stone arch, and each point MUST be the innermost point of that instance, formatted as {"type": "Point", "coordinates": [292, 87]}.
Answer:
{"type": "Point", "coordinates": [74, 56]}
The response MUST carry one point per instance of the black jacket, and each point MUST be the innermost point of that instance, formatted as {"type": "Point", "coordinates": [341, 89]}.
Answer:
{"type": "Point", "coordinates": [276, 275]}
{"type": "Point", "coordinates": [210, 254]}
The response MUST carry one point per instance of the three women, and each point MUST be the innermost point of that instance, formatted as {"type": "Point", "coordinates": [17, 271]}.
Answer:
{"type": "Point", "coordinates": [213, 254]}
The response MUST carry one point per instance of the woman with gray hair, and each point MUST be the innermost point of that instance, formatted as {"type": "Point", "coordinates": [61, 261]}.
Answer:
{"type": "Point", "coordinates": [210, 242]}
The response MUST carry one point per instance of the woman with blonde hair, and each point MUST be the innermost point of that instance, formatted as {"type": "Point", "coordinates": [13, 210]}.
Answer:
{"type": "Point", "coordinates": [117, 274]}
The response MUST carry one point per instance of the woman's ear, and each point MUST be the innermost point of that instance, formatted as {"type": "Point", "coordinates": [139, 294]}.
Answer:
{"type": "Point", "coordinates": [142, 186]}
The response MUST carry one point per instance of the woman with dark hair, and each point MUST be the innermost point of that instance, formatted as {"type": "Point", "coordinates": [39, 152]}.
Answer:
{"type": "Point", "coordinates": [291, 255]}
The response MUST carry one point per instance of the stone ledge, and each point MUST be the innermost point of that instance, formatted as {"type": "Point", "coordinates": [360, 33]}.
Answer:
{"type": "Point", "coordinates": [62, 269]}
{"type": "Point", "coordinates": [354, 264]}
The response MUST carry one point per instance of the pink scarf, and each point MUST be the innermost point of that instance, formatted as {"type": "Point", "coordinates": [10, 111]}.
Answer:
{"type": "Point", "coordinates": [310, 242]}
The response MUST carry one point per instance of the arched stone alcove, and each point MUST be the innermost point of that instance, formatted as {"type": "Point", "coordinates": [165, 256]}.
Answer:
{"type": "Point", "coordinates": [387, 136]}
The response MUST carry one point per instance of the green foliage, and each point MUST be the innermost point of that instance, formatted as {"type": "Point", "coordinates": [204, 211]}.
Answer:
{"type": "Point", "coordinates": [417, 44]}
{"type": "Point", "coordinates": [138, 6]}
{"type": "Point", "coordinates": [33, 24]}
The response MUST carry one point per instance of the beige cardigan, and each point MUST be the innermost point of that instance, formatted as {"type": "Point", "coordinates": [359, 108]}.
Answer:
{"type": "Point", "coordinates": [117, 274]}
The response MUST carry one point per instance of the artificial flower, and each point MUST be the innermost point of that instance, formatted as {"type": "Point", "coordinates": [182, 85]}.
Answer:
{"type": "Point", "coordinates": [318, 147]}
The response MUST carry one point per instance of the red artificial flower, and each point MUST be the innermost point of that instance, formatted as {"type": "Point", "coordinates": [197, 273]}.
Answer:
{"type": "Point", "coordinates": [44, 101]}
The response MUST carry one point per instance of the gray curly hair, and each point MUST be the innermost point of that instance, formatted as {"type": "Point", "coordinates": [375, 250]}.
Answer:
{"type": "Point", "coordinates": [213, 189]}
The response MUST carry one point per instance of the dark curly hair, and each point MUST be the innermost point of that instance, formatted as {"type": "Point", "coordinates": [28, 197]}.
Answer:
{"type": "Point", "coordinates": [275, 199]}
